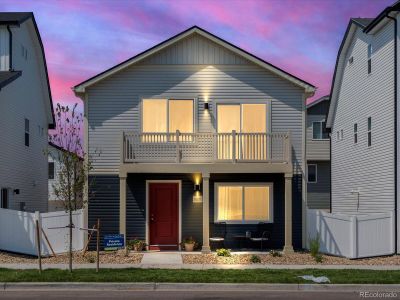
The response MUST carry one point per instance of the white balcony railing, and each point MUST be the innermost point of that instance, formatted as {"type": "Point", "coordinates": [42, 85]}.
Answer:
{"type": "Point", "coordinates": [206, 147]}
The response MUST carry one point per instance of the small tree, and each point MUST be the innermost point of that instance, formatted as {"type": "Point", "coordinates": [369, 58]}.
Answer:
{"type": "Point", "coordinates": [73, 164]}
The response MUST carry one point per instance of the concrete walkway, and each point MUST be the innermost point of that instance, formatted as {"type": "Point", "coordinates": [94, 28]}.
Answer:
{"type": "Point", "coordinates": [158, 258]}
{"type": "Point", "coordinates": [152, 265]}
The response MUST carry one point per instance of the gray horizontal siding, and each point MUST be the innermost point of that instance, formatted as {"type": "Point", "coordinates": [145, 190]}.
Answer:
{"type": "Point", "coordinates": [317, 149]}
{"type": "Point", "coordinates": [359, 167]}
{"type": "Point", "coordinates": [318, 194]}
{"type": "Point", "coordinates": [195, 49]}
{"type": "Point", "coordinates": [114, 104]}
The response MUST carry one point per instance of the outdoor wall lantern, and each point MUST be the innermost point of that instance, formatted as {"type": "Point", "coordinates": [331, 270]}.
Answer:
{"type": "Point", "coordinates": [206, 106]}
{"type": "Point", "coordinates": [197, 196]}
{"type": "Point", "coordinates": [16, 191]}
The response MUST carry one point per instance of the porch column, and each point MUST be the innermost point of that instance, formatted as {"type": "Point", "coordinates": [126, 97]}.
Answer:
{"type": "Point", "coordinates": [288, 248]}
{"type": "Point", "coordinates": [122, 207]}
{"type": "Point", "coordinates": [206, 213]}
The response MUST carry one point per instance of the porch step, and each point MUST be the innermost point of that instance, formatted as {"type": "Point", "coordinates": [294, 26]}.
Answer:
{"type": "Point", "coordinates": [162, 258]}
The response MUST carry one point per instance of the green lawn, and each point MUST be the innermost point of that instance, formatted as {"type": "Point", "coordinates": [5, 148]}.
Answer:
{"type": "Point", "coordinates": [221, 276]}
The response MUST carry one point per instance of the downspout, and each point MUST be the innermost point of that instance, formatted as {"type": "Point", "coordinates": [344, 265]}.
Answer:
{"type": "Point", "coordinates": [395, 130]}
{"type": "Point", "coordinates": [10, 48]}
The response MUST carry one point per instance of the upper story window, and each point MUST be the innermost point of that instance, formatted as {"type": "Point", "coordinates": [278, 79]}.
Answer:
{"type": "Point", "coordinates": [167, 116]}
{"type": "Point", "coordinates": [51, 170]}
{"type": "Point", "coordinates": [312, 173]}
{"type": "Point", "coordinates": [27, 132]}
{"type": "Point", "coordinates": [355, 131]}
{"type": "Point", "coordinates": [319, 131]}
{"type": "Point", "coordinates": [369, 58]}
{"type": "Point", "coordinates": [244, 203]}
{"type": "Point", "coordinates": [369, 132]}
{"type": "Point", "coordinates": [247, 118]}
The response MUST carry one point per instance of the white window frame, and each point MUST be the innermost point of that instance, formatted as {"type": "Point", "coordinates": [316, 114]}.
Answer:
{"type": "Point", "coordinates": [321, 131]}
{"type": "Point", "coordinates": [245, 184]}
{"type": "Point", "coordinates": [316, 173]}
{"type": "Point", "coordinates": [168, 99]}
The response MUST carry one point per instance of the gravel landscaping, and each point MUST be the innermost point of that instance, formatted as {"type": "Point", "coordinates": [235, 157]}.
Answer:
{"type": "Point", "coordinates": [298, 258]}
{"type": "Point", "coordinates": [117, 257]}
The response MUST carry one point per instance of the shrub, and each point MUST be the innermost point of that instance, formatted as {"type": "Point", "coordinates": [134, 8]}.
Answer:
{"type": "Point", "coordinates": [136, 244]}
{"type": "Point", "coordinates": [275, 253]}
{"type": "Point", "coordinates": [224, 252]}
{"type": "Point", "coordinates": [91, 258]}
{"type": "Point", "coordinates": [318, 258]}
{"type": "Point", "coordinates": [255, 259]}
{"type": "Point", "coordinates": [314, 246]}
{"type": "Point", "coordinates": [189, 240]}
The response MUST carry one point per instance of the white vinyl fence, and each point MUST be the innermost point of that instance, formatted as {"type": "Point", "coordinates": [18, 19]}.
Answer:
{"type": "Point", "coordinates": [352, 236]}
{"type": "Point", "coordinates": [18, 231]}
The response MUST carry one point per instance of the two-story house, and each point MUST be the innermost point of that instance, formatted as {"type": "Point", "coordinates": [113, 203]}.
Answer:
{"type": "Point", "coordinates": [26, 113]}
{"type": "Point", "coordinates": [318, 155]}
{"type": "Point", "coordinates": [364, 122]}
{"type": "Point", "coordinates": [196, 137]}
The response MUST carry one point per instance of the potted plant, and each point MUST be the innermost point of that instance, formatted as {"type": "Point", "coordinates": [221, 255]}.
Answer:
{"type": "Point", "coordinates": [136, 245]}
{"type": "Point", "coordinates": [189, 243]}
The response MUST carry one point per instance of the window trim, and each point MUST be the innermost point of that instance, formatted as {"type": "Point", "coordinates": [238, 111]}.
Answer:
{"type": "Point", "coordinates": [195, 117]}
{"type": "Point", "coordinates": [245, 184]}
{"type": "Point", "coordinates": [316, 173]}
{"type": "Point", "coordinates": [321, 131]}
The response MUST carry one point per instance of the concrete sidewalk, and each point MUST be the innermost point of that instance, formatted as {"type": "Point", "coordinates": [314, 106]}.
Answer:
{"type": "Point", "coordinates": [152, 286]}
{"type": "Point", "coordinates": [200, 266]}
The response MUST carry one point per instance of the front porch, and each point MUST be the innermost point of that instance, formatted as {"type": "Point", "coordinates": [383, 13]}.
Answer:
{"type": "Point", "coordinates": [197, 219]}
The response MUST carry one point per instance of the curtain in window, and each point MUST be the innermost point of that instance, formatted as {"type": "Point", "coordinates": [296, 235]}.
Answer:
{"type": "Point", "coordinates": [230, 203]}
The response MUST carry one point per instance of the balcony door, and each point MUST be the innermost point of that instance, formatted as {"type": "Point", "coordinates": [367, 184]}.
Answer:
{"type": "Point", "coordinates": [250, 123]}
{"type": "Point", "coordinates": [161, 118]}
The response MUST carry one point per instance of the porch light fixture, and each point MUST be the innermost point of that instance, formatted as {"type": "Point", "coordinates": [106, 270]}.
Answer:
{"type": "Point", "coordinates": [16, 191]}
{"type": "Point", "coordinates": [206, 106]}
{"type": "Point", "coordinates": [197, 196]}
{"type": "Point", "coordinates": [197, 187]}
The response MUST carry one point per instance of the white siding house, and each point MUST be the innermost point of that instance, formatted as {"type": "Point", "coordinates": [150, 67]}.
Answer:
{"type": "Point", "coordinates": [362, 119]}
{"type": "Point", "coordinates": [26, 113]}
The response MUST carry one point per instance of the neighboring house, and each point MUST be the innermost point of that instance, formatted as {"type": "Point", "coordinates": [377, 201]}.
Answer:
{"type": "Point", "coordinates": [26, 113]}
{"type": "Point", "coordinates": [54, 155]}
{"type": "Point", "coordinates": [192, 134]}
{"type": "Point", "coordinates": [364, 121]}
{"type": "Point", "coordinates": [318, 155]}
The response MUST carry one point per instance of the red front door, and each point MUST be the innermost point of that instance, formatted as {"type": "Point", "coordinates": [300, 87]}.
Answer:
{"type": "Point", "coordinates": [163, 216]}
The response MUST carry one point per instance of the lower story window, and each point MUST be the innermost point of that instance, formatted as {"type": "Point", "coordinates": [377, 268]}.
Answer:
{"type": "Point", "coordinates": [244, 203]}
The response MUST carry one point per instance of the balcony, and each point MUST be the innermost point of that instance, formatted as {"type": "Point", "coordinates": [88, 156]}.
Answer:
{"type": "Point", "coordinates": [138, 147]}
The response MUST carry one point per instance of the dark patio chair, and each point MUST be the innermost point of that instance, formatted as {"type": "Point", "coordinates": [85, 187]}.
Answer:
{"type": "Point", "coordinates": [218, 235]}
{"type": "Point", "coordinates": [262, 236]}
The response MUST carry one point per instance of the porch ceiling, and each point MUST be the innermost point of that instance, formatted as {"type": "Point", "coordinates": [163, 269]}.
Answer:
{"type": "Point", "coordinates": [205, 168]}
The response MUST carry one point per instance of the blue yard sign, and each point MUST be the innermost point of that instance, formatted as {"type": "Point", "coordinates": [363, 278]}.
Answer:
{"type": "Point", "coordinates": [113, 241]}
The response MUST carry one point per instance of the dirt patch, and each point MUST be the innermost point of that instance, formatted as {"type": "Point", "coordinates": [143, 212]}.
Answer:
{"type": "Point", "coordinates": [298, 258]}
{"type": "Point", "coordinates": [115, 257]}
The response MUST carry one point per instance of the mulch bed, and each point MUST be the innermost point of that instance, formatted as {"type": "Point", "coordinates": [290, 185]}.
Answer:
{"type": "Point", "coordinates": [115, 257]}
{"type": "Point", "coordinates": [298, 258]}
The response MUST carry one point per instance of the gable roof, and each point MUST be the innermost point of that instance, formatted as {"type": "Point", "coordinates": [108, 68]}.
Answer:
{"type": "Point", "coordinates": [7, 77]}
{"type": "Point", "coordinates": [16, 19]}
{"type": "Point", "coordinates": [354, 23]}
{"type": "Point", "coordinates": [319, 100]}
{"type": "Point", "coordinates": [80, 88]}
{"type": "Point", "coordinates": [374, 22]}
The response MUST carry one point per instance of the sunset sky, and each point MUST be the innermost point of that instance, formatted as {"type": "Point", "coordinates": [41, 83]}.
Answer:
{"type": "Point", "coordinates": [84, 37]}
